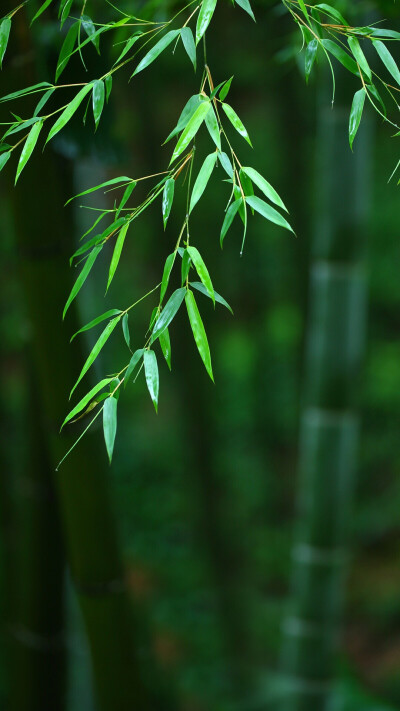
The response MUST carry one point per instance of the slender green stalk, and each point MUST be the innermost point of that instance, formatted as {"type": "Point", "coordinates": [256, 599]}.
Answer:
{"type": "Point", "coordinates": [329, 420]}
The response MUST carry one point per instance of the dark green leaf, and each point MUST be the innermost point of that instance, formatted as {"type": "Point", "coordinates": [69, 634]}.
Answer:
{"type": "Point", "coordinates": [98, 100]}
{"type": "Point", "coordinates": [220, 299]}
{"type": "Point", "coordinates": [185, 267]}
{"type": "Point", "coordinates": [110, 424]}
{"type": "Point", "coordinates": [202, 179]}
{"type": "Point", "coordinates": [311, 53]}
{"type": "Point", "coordinates": [225, 89]}
{"type": "Point", "coordinates": [268, 212]}
{"type": "Point", "coordinates": [125, 330]}
{"type": "Point", "coordinates": [85, 400]}
{"type": "Point", "coordinates": [41, 103]}
{"type": "Point", "coordinates": [82, 276]}
{"type": "Point", "coordinates": [236, 122]}
{"type": "Point", "coordinates": [69, 111]}
{"type": "Point", "coordinates": [168, 313]}
{"type": "Point", "coordinates": [132, 364]}
{"type": "Point", "coordinates": [342, 56]}
{"type": "Point", "coordinates": [167, 199]}
{"type": "Point", "coordinates": [229, 217]}
{"type": "Point", "coordinates": [5, 28]}
{"type": "Point", "coordinates": [67, 49]}
{"type": "Point", "coordinates": [191, 129]}
{"type": "Point", "coordinates": [4, 157]}
{"type": "Point", "coordinates": [108, 81]}
{"type": "Point", "coordinates": [204, 17]}
{"type": "Point", "coordinates": [245, 5]}
{"type": "Point", "coordinates": [97, 320]}
{"type": "Point", "coordinates": [169, 263]}
{"type": "Point", "coordinates": [28, 148]}
{"type": "Point", "coordinates": [88, 26]}
{"type": "Point", "coordinates": [189, 45]}
{"type": "Point", "coordinates": [117, 252]}
{"type": "Point", "coordinates": [152, 377]}
{"type": "Point", "coordinates": [128, 46]}
{"type": "Point", "coordinates": [155, 51]}
{"type": "Point", "coordinates": [213, 128]}
{"type": "Point", "coordinates": [42, 8]}
{"type": "Point", "coordinates": [356, 114]}
{"type": "Point", "coordinates": [201, 270]}
{"type": "Point", "coordinates": [102, 339]}
{"type": "Point", "coordinates": [199, 333]}
{"type": "Point", "coordinates": [165, 344]}
{"type": "Point", "coordinates": [387, 59]}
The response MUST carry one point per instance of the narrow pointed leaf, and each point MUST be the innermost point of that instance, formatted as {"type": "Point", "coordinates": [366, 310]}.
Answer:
{"type": "Point", "coordinates": [117, 252]}
{"type": "Point", "coordinates": [82, 276]}
{"type": "Point", "coordinates": [132, 365]}
{"type": "Point", "coordinates": [67, 49]}
{"type": "Point", "coordinates": [204, 18]}
{"type": "Point", "coordinates": [202, 270]}
{"type": "Point", "coordinates": [359, 56]}
{"type": "Point", "coordinates": [202, 179]}
{"type": "Point", "coordinates": [245, 5]}
{"type": "Point", "coordinates": [169, 263]}
{"type": "Point", "coordinates": [332, 12]}
{"type": "Point", "coordinates": [4, 158]}
{"type": "Point", "coordinates": [169, 311]}
{"type": "Point", "coordinates": [387, 59]}
{"type": "Point", "coordinates": [236, 122]}
{"type": "Point", "coordinates": [109, 82]}
{"type": "Point", "coordinates": [86, 399]}
{"type": "Point", "coordinates": [155, 51]}
{"type": "Point", "coordinates": [125, 329]}
{"type": "Point", "coordinates": [220, 299]}
{"type": "Point", "coordinates": [98, 100]}
{"type": "Point", "coordinates": [167, 199]}
{"type": "Point", "coordinates": [69, 111]}
{"type": "Point", "coordinates": [110, 424]}
{"type": "Point", "coordinates": [342, 56]}
{"type": "Point", "coordinates": [311, 53]}
{"type": "Point", "coordinates": [226, 164]}
{"type": "Point", "coordinates": [97, 320]}
{"type": "Point", "coordinates": [113, 181]}
{"type": "Point", "coordinates": [152, 376]}
{"type": "Point", "coordinates": [28, 90]}
{"type": "Point", "coordinates": [102, 339]}
{"type": "Point", "coordinates": [268, 212]}
{"type": "Point", "coordinates": [189, 45]}
{"type": "Point", "coordinates": [43, 101]}
{"type": "Point", "coordinates": [187, 113]}
{"type": "Point", "coordinates": [42, 8]}
{"type": "Point", "coordinates": [356, 114]}
{"type": "Point", "coordinates": [199, 333]}
{"type": "Point", "coordinates": [229, 217]}
{"type": "Point", "coordinates": [90, 29]}
{"type": "Point", "coordinates": [191, 129]}
{"type": "Point", "coordinates": [5, 28]}
{"type": "Point", "coordinates": [265, 187]}
{"type": "Point", "coordinates": [165, 344]}
{"type": "Point", "coordinates": [29, 146]}
{"type": "Point", "coordinates": [185, 267]}
{"type": "Point", "coordinates": [213, 128]}
{"type": "Point", "coordinates": [128, 46]}
{"type": "Point", "coordinates": [127, 193]}
{"type": "Point", "coordinates": [225, 89]}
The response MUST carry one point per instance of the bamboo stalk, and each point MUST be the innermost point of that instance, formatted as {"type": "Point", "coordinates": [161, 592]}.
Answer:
{"type": "Point", "coordinates": [329, 421]}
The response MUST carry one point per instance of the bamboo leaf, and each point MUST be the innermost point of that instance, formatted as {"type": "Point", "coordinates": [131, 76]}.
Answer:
{"type": "Point", "coordinates": [4, 158]}
{"type": "Point", "coordinates": [386, 34]}
{"type": "Point", "coordinates": [110, 424]}
{"type": "Point", "coordinates": [86, 399]}
{"type": "Point", "coordinates": [97, 320]}
{"type": "Point", "coordinates": [268, 212]}
{"type": "Point", "coordinates": [387, 59]}
{"type": "Point", "coordinates": [151, 375]}
{"type": "Point", "coordinates": [114, 181]}
{"type": "Point", "coordinates": [265, 187]}
{"type": "Point", "coordinates": [225, 89]}
{"type": "Point", "coordinates": [155, 51]}
{"type": "Point", "coordinates": [189, 45]}
{"type": "Point", "coordinates": [187, 113]}
{"type": "Point", "coordinates": [28, 148]}
{"type": "Point", "coordinates": [169, 311]}
{"type": "Point", "coordinates": [128, 46]}
{"type": "Point", "coordinates": [28, 90]}
{"type": "Point", "coordinates": [191, 129]}
{"type": "Point", "coordinates": [342, 56]}
{"type": "Point", "coordinates": [165, 344]}
{"type": "Point", "coordinates": [108, 81]}
{"type": "Point", "coordinates": [199, 333]}
{"type": "Point", "coordinates": [5, 29]}
{"type": "Point", "coordinates": [201, 270]}
{"type": "Point", "coordinates": [245, 5]}
{"type": "Point", "coordinates": [220, 299]}
{"type": "Point", "coordinates": [202, 179]}
{"type": "Point", "coordinates": [42, 8]}
{"type": "Point", "coordinates": [204, 18]}
{"type": "Point", "coordinates": [359, 56]}
{"type": "Point", "coordinates": [167, 199]}
{"type": "Point", "coordinates": [41, 103]}
{"type": "Point", "coordinates": [67, 49]}
{"type": "Point", "coordinates": [311, 53]}
{"type": "Point", "coordinates": [125, 330]}
{"type": "Point", "coordinates": [226, 164]}
{"type": "Point", "coordinates": [102, 339]}
{"type": "Point", "coordinates": [98, 100]}
{"type": "Point", "coordinates": [127, 193]}
{"type": "Point", "coordinates": [82, 276]}
{"type": "Point", "coordinates": [69, 111]}
{"type": "Point", "coordinates": [356, 114]}
{"type": "Point", "coordinates": [185, 267]}
{"type": "Point", "coordinates": [236, 122]}
{"type": "Point", "coordinates": [213, 128]}
{"type": "Point", "coordinates": [117, 252]}
{"type": "Point", "coordinates": [65, 10]}
{"type": "Point", "coordinates": [132, 365]}
{"type": "Point", "coordinates": [332, 12]}
{"type": "Point", "coordinates": [169, 263]}
{"type": "Point", "coordinates": [94, 36]}
{"type": "Point", "coordinates": [229, 217]}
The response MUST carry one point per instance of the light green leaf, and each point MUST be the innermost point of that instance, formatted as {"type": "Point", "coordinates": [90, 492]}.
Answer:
{"type": "Point", "coordinates": [42, 8]}
{"type": "Point", "coordinates": [97, 320]}
{"type": "Point", "coordinates": [204, 18]}
{"type": "Point", "coordinates": [220, 299]}
{"type": "Point", "coordinates": [268, 212]}
{"type": "Point", "coordinates": [5, 28]}
{"type": "Point", "coordinates": [236, 122]}
{"type": "Point", "coordinates": [4, 158]}
{"type": "Point", "coordinates": [82, 276]}
{"type": "Point", "coordinates": [202, 179]}
{"type": "Point", "coordinates": [199, 333]}
{"type": "Point", "coordinates": [387, 59]}
{"type": "Point", "coordinates": [187, 113]}
{"type": "Point", "coordinates": [128, 46]}
{"type": "Point", "coordinates": [165, 344]}
{"type": "Point", "coordinates": [114, 181]}
{"type": "Point", "coordinates": [201, 270]}
{"type": "Point", "coordinates": [225, 89]}
{"type": "Point", "coordinates": [311, 53]}
{"type": "Point", "coordinates": [110, 424]}
{"type": "Point", "coordinates": [169, 263]}
{"type": "Point", "coordinates": [191, 129]}
{"type": "Point", "coordinates": [108, 81]}
{"type": "Point", "coordinates": [303, 8]}
{"type": "Point", "coordinates": [117, 252]}
{"type": "Point", "coordinates": [264, 186]}
{"type": "Point", "coordinates": [332, 12]}
{"type": "Point", "coordinates": [213, 128]}
{"type": "Point", "coordinates": [88, 26]}
{"type": "Point", "coordinates": [359, 56]}
{"type": "Point", "coordinates": [167, 199]}
{"type": "Point", "coordinates": [356, 114]}
{"type": "Point", "coordinates": [245, 5]}
{"type": "Point", "coordinates": [155, 51]}
{"type": "Point", "coordinates": [28, 90]}
{"type": "Point", "coordinates": [132, 365]}
{"type": "Point", "coordinates": [127, 193]}
{"type": "Point", "coordinates": [151, 375]}
{"type": "Point", "coordinates": [229, 217]}
{"type": "Point", "coordinates": [185, 266]}
{"type": "Point", "coordinates": [69, 111]}
{"type": "Point", "coordinates": [29, 146]}
{"type": "Point", "coordinates": [67, 49]}
{"type": "Point", "coordinates": [125, 330]}
{"type": "Point", "coordinates": [85, 400]}
{"type": "Point", "coordinates": [169, 311]}
{"type": "Point", "coordinates": [98, 100]}
{"type": "Point", "coordinates": [41, 103]}
{"type": "Point", "coordinates": [386, 34]}
{"type": "Point", "coordinates": [102, 339]}
{"type": "Point", "coordinates": [342, 56]}
{"type": "Point", "coordinates": [189, 45]}
{"type": "Point", "coordinates": [226, 164]}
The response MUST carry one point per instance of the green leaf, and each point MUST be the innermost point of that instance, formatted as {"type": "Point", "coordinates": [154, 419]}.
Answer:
{"type": "Point", "coordinates": [42, 8]}
{"type": "Point", "coordinates": [97, 320]}
{"type": "Point", "coordinates": [303, 8]}
{"type": "Point", "coordinates": [127, 193]}
{"type": "Point", "coordinates": [155, 51]}
{"type": "Point", "coordinates": [220, 299]}
{"type": "Point", "coordinates": [187, 113]}
{"type": "Point", "coordinates": [65, 10]}
{"type": "Point", "coordinates": [82, 276]}
{"type": "Point", "coordinates": [226, 164]}
{"type": "Point", "coordinates": [204, 18]}
{"type": "Point", "coordinates": [128, 46]}
{"type": "Point", "coordinates": [199, 333]}
{"type": "Point", "coordinates": [185, 267]}
{"type": "Point", "coordinates": [108, 81]}
{"type": "Point", "coordinates": [311, 53]}
{"type": "Point", "coordinates": [28, 90]}
{"type": "Point", "coordinates": [88, 26]}
{"type": "Point", "coordinates": [247, 185]}
{"type": "Point", "coordinates": [102, 339]}
{"type": "Point", "coordinates": [21, 126]}
{"type": "Point", "coordinates": [4, 158]}
{"type": "Point", "coordinates": [69, 111]}
{"type": "Point", "coordinates": [117, 252]}
{"type": "Point", "coordinates": [110, 424]}
{"type": "Point", "coordinates": [151, 375]}
{"type": "Point", "coordinates": [5, 28]}
{"type": "Point", "coordinates": [169, 311]}
{"type": "Point", "coordinates": [67, 49]}
{"type": "Point", "coordinates": [113, 181]}
{"type": "Point", "coordinates": [236, 122]}
{"type": "Point", "coordinates": [201, 270]}
{"type": "Point", "coordinates": [169, 263]}
{"type": "Point", "coordinates": [265, 187]}
{"type": "Point", "coordinates": [28, 148]}
{"type": "Point", "coordinates": [229, 217]}
{"type": "Point", "coordinates": [167, 199]}
{"type": "Point", "coordinates": [132, 365]}
{"type": "Point", "coordinates": [86, 399]}
{"type": "Point", "coordinates": [125, 330]}
{"type": "Point", "coordinates": [268, 212]}
{"type": "Point", "coordinates": [41, 103]}
{"type": "Point", "coordinates": [225, 89]}
{"type": "Point", "coordinates": [189, 45]}
{"type": "Point", "coordinates": [213, 128]}
{"type": "Point", "coordinates": [374, 91]}
{"type": "Point", "coordinates": [245, 5]}
{"type": "Point", "coordinates": [98, 100]}
{"type": "Point", "coordinates": [386, 34]}
{"type": "Point", "coordinates": [356, 114]}
{"type": "Point", "coordinates": [359, 56]}
{"type": "Point", "coordinates": [191, 129]}
{"type": "Point", "coordinates": [387, 59]}
{"type": "Point", "coordinates": [202, 179]}
{"type": "Point", "coordinates": [332, 12]}
{"type": "Point", "coordinates": [342, 56]}
{"type": "Point", "coordinates": [98, 238]}
{"type": "Point", "coordinates": [165, 344]}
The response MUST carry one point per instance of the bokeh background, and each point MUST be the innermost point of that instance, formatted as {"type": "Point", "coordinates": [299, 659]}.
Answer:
{"type": "Point", "coordinates": [200, 500]}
